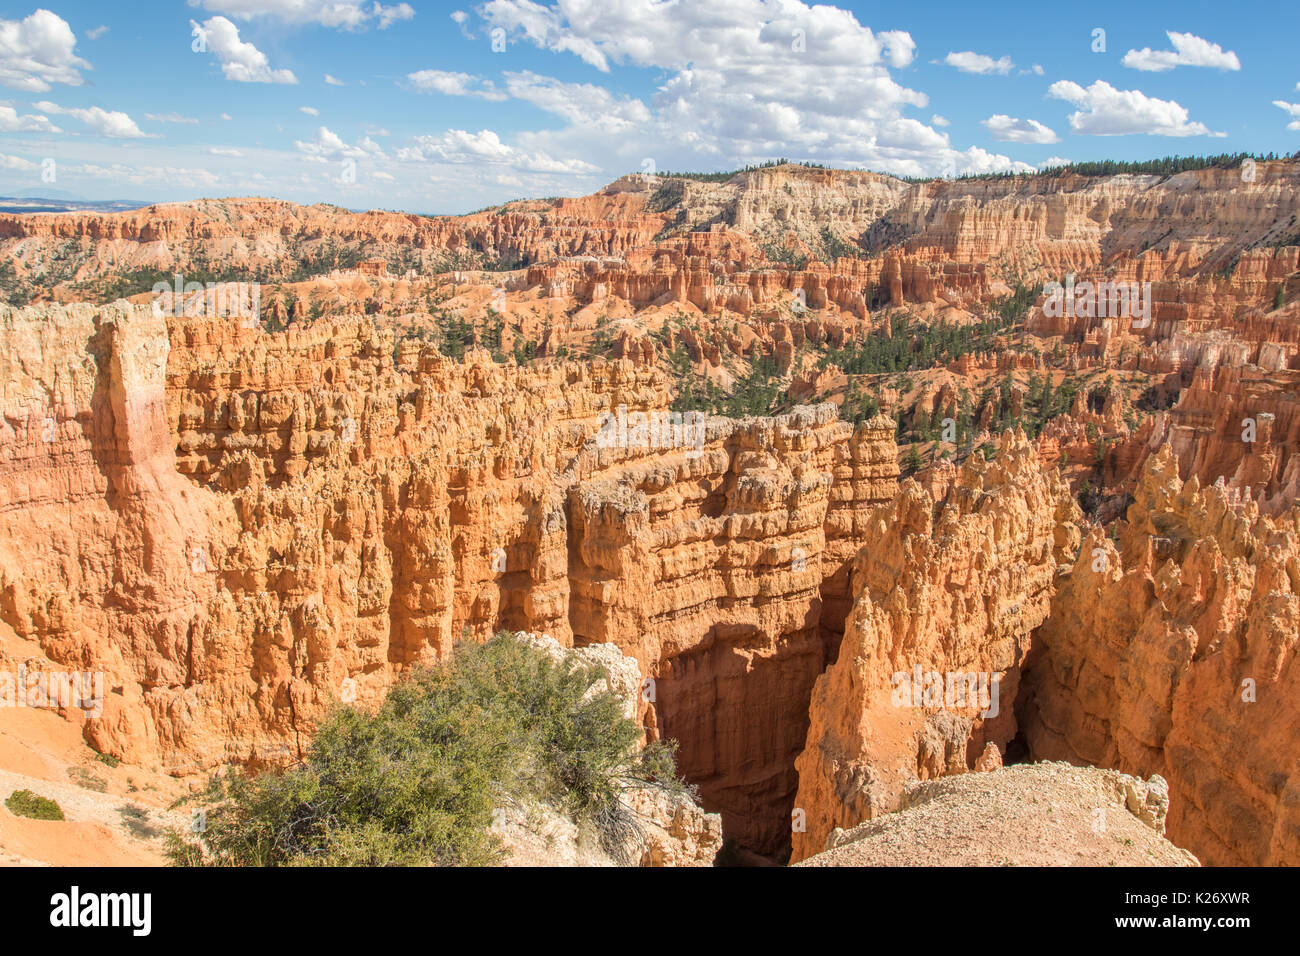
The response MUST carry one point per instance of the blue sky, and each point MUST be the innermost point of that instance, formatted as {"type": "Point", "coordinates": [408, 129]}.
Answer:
{"type": "Point", "coordinates": [446, 107]}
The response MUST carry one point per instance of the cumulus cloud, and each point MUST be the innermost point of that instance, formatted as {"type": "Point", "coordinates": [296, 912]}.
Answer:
{"type": "Point", "coordinates": [1293, 109]}
{"type": "Point", "coordinates": [1189, 50]}
{"type": "Point", "coordinates": [345, 14]}
{"type": "Point", "coordinates": [329, 145]}
{"type": "Point", "coordinates": [770, 78]}
{"type": "Point", "coordinates": [224, 151]}
{"type": "Point", "coordinates": [1106, 111]}
{"type": "Point", "coordinates": [485, 146]}
{"type": "Point", "coordinates": [12, 122]}
{"type": "Point", "coordinates": [579, 102]}
{"type": "Point", "coordinates": [240, 61]}
{"type": "Point", "coordinates": [309, 110]}
{"type": "Point", "coordinates": [677, 35]}
{"type": "Point", "coordinates": [38, 51]}
{"type": "Point", "coordinates": [937, 120]}
{"type": "Point", "coordinates": [111, 123]}
{"type": "Point", "coordinates": [1008, 129]}
{"type": "Point", "coordinates": [171, 118]}
{"type": "Point", "coordinates": [969, 62]}
{"type": "Point", "coordinates": [96, 32]}
{"type": "Point", "coordinates": [334, 81]}
{"type": "Point", "coordinates": [453, 84]}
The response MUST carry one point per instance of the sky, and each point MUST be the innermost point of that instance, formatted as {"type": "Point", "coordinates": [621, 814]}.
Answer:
{"type": "Point", "coordinates": [449, 107]}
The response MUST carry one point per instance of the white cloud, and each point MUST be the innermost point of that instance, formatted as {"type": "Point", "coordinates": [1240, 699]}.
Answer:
{"type": "Point", "coordinates": [969, 62]}
{"type": "Point", "coordinates": [1189, 50]}
{"type": "Point", "coordinates": [460, 146]}
{"type": "Point", "coordinates": [334, 81]}
{"type": "Point", "coordinates": [110, 123]}
{"type": "Point", "coordinates": [766, 78]}
{"type": "Point", "coordinates": [453, 84]}
{"type": "Point", "coordinates": [976, 161]}
{"type": "Point", "coordinates": [348, 14]}
{"type": "Point", "coordinates": [309, 110]}
{"type": "Point", "coordinates": [96, 32]}
{"type": "Point", "coordinates": [171, 118]}
{"type": "Point", "coordinates": [224, 151]}
{"type": "Point", "coordinates": [937, 120]}
{"type": "Point", "coordinates": [225, 116]}
{"type": "Point", "coordinates": [1107, 111]}
{"type": "Point", "coordinates": [12, 122]}
{"type": "Point", "coordinates": [693, 31]}
{"type": "Point", "coordinates": [329, 145]}
{"type": "Point", "coordinates": [1293, 109]}
{"type": "Point", "coordinates": [38, 51]}
{"type": "Point", "coordinates": [579, 103]}
{"type": "Point", "coordinates": [390, 15]}
{"type": "Point", "coordinates": [1009, 129]}
{"type": "Point", "coordinates": [460, 16]}
{"type": "Point", "coordinates": [16, 163]}
{"type": "Point", "coordinates": [240, 61]}
{"type": "Point", "coordinates": [1054, 161]}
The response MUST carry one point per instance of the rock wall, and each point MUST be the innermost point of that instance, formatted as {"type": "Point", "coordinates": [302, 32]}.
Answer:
{"type": "Point", "coordinates": [241, 528]}
{"type": "Point", "coordinates": [953, 583]}
{"type": "Point", "coordinates": [1172, 650]}
{"type": "Point", "coordinates": [708, 565]}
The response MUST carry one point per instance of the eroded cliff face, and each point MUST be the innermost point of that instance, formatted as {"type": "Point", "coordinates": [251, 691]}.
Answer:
{"type": "Point", "coordinates": [1172, 650]}
{"type": "Point", "coordinates": [218, 520]}
{"type": "Point", "coordinates": [242, 528]}
{"type": "Point", "coordinates": [953, 584]}
{"type": "Point", "coordinates": [708, 565]}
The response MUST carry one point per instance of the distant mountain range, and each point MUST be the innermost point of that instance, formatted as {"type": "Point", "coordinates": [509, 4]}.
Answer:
{"type": "Point", "coordinates": [57, 201]}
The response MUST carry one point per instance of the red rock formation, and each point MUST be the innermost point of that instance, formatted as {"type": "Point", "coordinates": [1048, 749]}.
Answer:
{"type": "Point", "coordinates": [267, 518]}
{"type": "Point", "coordinates": [1171, 651]}
{"type": "Point", "coordinates": [951, 587]}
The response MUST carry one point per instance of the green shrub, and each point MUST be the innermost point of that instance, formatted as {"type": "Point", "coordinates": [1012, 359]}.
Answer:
{"type": "Point", "coordinates": [24, 803]}
{"type": "Point", "coordinates": [416, 782]}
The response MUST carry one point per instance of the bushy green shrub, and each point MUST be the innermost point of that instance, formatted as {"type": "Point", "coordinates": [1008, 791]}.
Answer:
{"type": "Point", "coordinates": [24, 803]}
{"type": "Point", "coordinates": [416, 782]}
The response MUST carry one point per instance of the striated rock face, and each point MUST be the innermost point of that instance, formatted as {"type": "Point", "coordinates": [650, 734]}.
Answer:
{"type": "Point", "coordinates": [1239, 424]}
{"type": "Point", "coordinates": [946, 597]}
{"type": "Point", "coordinates": [238, 525]}
{"type": "Point", "coordinates": [242, 539]}
{"type": "Point", "coordinates": [239, 528]}
{"type": "Point", "coordinates": [709, 567]}
{"type": "Point", "coordinates": [1172, 651]}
